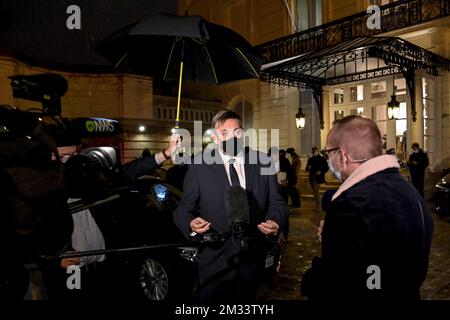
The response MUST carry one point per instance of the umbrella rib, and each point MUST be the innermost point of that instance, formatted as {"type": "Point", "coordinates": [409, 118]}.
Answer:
{"type": "Point", "coordinates": [170, 58]}
{"type": "Point", "coordinates": [251, 66]}
{"type": "Point", "coordinates": [121, 59]}
{"type": "Point", "coordinates": [212, 65]}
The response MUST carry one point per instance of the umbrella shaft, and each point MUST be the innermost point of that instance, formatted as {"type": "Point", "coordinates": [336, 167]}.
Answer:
{"type": "Point", "coordinates": [179, 93]}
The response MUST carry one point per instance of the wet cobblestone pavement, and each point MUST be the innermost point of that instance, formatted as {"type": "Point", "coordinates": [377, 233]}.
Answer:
{"type": "Point", "coordinates": [304, 245]}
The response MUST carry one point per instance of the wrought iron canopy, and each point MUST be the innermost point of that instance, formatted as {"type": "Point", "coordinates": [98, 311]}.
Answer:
{"type": "Point", "coordinates": [358, 59]}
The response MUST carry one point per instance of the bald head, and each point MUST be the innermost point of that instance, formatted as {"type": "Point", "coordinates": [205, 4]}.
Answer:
{"type": "Point", "coordinates": [359, 136]}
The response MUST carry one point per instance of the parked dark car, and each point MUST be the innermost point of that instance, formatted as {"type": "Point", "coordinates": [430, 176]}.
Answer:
{"type": "Point", "coordinates": [441, 201]}
{"type": "Point", "coordinates": [142, 216]}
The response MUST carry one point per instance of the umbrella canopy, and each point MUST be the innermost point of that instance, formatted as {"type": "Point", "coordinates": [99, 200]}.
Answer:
{"type": "Point", "coordinates": [158, 44]}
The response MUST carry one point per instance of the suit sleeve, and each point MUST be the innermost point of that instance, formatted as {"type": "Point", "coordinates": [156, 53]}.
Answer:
{"type": "Point", "coordinates": [139, 167]}
{"type": "Point", "coordinates": [278, 210]}
{"type": "Point", "coordinates": [308, 163]}
{"type": "Point", "coordinates": [184, 214]}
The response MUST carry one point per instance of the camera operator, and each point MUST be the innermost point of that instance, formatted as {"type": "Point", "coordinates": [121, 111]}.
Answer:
{"type": "Point", "coordinates": [95, 272]}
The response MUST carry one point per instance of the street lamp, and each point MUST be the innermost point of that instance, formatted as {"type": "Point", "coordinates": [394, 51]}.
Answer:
{"type": "Point", "coordinates": [393, 106]}
{"type": "Point", "coordinates": [300, 119]}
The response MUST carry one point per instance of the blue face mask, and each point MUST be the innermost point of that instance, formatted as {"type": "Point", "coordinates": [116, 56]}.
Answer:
{"type": "Point", "coordinates": [336, 174]}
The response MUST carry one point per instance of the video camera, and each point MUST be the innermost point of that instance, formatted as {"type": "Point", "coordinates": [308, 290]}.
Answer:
{"type": "Point", "coordinates": [35, 184]}
{"type": "Point", "coordinates": [89, 173]}
{"type": "Point", "coordinates": [45, 88]}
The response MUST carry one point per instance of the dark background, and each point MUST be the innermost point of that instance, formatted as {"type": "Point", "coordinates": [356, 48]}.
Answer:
{"type": "Point", "coordinates": [36, 29]}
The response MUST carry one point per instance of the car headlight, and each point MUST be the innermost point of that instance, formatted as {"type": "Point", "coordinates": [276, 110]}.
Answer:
{"type": "Point", "coordinates": [161, 192]}
{"type": "Point", "coordinates": [189, 253]}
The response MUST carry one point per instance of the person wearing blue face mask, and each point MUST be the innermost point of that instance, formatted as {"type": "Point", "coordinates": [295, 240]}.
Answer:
{"type": "Point", "coordinates": [337, 173]}
{"type": "Point", "coordinates": [377, 232]}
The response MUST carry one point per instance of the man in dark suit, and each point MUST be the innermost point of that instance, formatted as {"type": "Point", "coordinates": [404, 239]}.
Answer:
{"type": "Point", "coordinates": [226, 271]}
{"type": "Point", "coordinates": [418, 162]}
{"type": "Point", "coordinates": [317, 167]}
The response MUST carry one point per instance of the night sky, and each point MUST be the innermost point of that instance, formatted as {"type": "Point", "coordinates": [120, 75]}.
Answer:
{"type": "Point", "coordinates": [37, 29]}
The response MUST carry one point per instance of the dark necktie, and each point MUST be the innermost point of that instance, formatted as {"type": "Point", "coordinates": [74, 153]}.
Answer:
{"type": "Point", "coordinates": [233, 174]}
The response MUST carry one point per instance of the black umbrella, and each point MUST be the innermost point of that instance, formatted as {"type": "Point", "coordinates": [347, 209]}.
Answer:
{"type": "Point", "coordinates": [182, 47]}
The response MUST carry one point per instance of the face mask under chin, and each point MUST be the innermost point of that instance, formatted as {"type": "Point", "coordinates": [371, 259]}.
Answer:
{"type": "Point", "coordinates": [233, 147]}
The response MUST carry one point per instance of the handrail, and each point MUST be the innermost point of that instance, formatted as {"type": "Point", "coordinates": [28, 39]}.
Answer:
{"type": "Point", "coordinates": [394, 16]}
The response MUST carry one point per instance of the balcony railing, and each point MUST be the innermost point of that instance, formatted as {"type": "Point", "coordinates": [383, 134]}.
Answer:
{"type": "Point", "coordinates": [393, 16]}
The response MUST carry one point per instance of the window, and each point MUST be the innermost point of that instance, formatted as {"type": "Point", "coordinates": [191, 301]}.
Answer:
{"type": "Point", "coordinates": [309, 14]}
{"type": "Point", "coordinates": [338, 115]}
{"type": "Point", "coordinates": [427, 89]}
{"type": "Point", "coordinates": [378, 89]}
{"type": "Point", "coordinates": [401, 123]}
{"type": "Point", "coordinates": [428, 118]}
{"type": "Point", "coordinates": [357, 93]}
{"type": "Point", "coordinates": [338, 96]}
{"type": "Point", "coordinates": [358, 111]}
{"type": "Point", "coordinates": [400, 86]}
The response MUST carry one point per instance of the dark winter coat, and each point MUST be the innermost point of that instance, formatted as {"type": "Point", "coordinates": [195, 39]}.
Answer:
{"type": "Point", "coordinates": [382, 222]}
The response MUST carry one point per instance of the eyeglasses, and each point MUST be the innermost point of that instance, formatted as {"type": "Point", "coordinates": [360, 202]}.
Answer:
{"type": "Point", "coordinates": [326, 152]}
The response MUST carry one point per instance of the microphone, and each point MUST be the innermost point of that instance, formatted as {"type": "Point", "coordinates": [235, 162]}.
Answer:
{"type": "Point", "coordinates": [236, 206]}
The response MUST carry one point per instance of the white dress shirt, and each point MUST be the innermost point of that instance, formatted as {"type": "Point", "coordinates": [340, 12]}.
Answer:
{"type": "Point", "coordinates": [238, 165]}
{"type": "Point", "coordinates": [86, 236]}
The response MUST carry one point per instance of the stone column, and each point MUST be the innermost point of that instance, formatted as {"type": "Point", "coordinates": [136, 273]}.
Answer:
{"type": "Point", "coordinates": [415, 129]}
{"type": "Point", "coordinates": [390, 124]}
{"type": "Point", "coordinates": [326, 116]}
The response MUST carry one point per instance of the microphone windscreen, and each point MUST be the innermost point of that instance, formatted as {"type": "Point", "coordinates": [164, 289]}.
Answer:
{"type": "Point", "coordinates": [236, 205]}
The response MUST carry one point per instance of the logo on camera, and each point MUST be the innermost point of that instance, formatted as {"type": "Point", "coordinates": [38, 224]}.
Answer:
{"type": "Point", "coordinates": [99, 126]}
